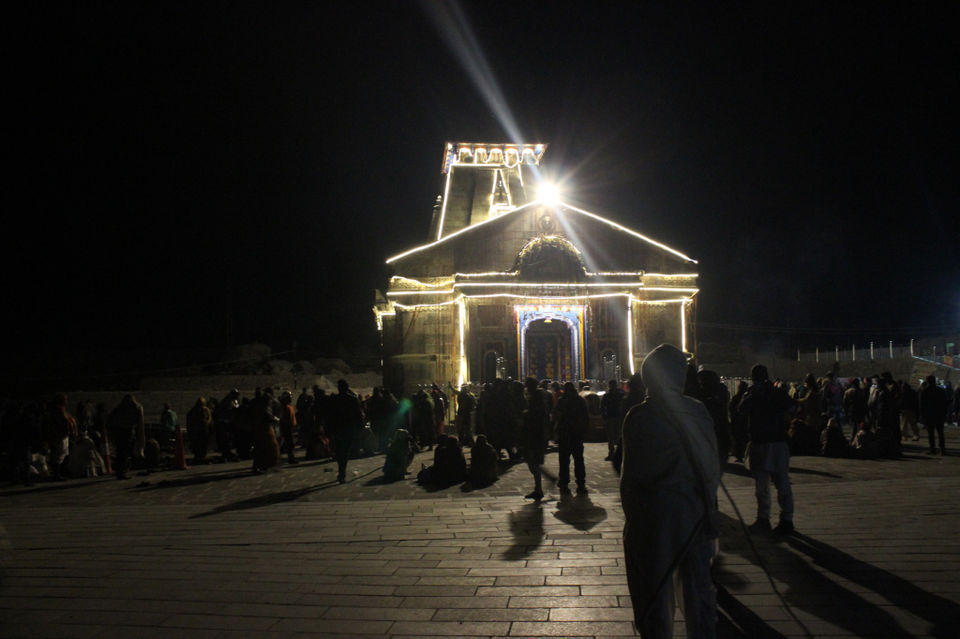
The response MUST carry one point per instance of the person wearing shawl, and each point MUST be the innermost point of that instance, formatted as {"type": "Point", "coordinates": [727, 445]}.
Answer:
{"type": "Point", "coordinates": [668, 488]}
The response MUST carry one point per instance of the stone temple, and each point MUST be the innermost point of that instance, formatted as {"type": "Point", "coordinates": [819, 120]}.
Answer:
{"type": "Point", "coordinates": [511, 283]}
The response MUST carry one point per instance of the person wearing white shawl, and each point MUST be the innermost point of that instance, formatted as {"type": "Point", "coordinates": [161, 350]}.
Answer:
{"type": "Point", "coordinates": [668, 488]}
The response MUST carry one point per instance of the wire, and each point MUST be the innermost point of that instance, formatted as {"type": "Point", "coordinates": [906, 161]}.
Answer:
{"type": "Point", "coordinates": [762, 563]}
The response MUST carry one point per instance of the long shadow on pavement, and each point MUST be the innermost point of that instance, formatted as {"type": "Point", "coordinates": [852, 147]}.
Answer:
{"type": "Point", "coordinates": [941, 612]}
{"type": "Point", "coordinates": [217, 475]}
{"type": "Point", "coordinates": [736, 621]}
{"type": "Point", "coordinates": [737, 469]}
{"type": "Point", "coordinates": [48, 486]}
{"type": "Point", "coordinates": [271, 498]}
{"type": "Point", "coordinates": [816, 593]}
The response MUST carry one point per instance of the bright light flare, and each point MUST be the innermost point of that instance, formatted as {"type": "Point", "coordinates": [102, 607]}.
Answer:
{"type": "Point", "coordinates": [548, 193]}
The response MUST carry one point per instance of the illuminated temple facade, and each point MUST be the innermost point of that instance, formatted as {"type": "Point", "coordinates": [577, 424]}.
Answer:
{"type": "Point", "coordinates": [509, 285]}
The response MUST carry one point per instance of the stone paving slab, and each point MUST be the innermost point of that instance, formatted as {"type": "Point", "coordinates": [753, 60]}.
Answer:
{"type": "Point", "coordinates": [215, 551]}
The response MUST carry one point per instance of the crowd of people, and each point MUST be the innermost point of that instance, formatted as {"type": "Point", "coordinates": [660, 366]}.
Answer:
{"type": "Point", "coordinates": [878, 412]}
{"type": "Point", "coordinates": [516, 420]}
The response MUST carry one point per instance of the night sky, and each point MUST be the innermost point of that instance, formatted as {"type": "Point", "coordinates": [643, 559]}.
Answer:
{"type": "Point", "coordinates": [238, 172]}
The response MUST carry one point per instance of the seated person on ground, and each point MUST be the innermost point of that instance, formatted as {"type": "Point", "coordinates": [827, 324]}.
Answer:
{"type": "Point", "coordinates": [483, 463]}
{"type": "Point", "coordinates": [804, 438]}
{"type": "Point", "coordinates": [832, 441]}
{"type": "Point", "coordinates": [400, 455]}
{"type": "Point", "coordinates": [449, 464]}
{"type": "Point", "coordinates": [865, 445]}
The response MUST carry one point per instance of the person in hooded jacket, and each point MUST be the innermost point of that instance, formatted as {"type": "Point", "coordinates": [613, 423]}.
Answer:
{"type": "Point", "coordinates": [668, 487]}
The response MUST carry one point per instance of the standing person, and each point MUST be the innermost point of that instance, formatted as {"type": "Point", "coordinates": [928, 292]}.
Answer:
{"type": "Point", "coordinates": [612, 417]}
{"type": "Point", "coordinates": [123, 424]}
{"type": "Point", "coordinates": [466, 403]}
{"type": "Point", "coordinates": [811, 404]}
{"type": "Point", "coordinates": [59, 428]}
{"type": "Point", "coordinates": [766, 407]}
{"type": "Point", "coordinates": [833, 396]}
{"type": "Point", "coordinates": [377, 414]}
{"type": "Point", "coordinates": [669, 493]}
{"type": "Point", "coordinates": [855, 405]}
{"type": "Point", "coordinates": [439, 410]}
{"type": "Point", "coordinates": [288, 424]}
{"type": "Point", "coordinates": [636, 393]}
{"type": "Point", "coordinates": [266, 450]}
{"type": "Point", "coordinates": [534, 435]}
{"type": "Point", "coordinates": [715, 398]}
{"type": "Point", "coordinates": [887, 413]}
{"type": "Point", "coordinates": [169, 422]}
{"type": "Point", "coordinates": [346, 421]}
{"type": "Point", "coordinates": [304, 402]}
{"type": "Point", "coordinates": [572, 422]}
{"type": "Point", "coordinates": [422, 410]}
{"type": "Point", "coordinates": [739, 429]}
{"type": "Point", "coordinates": [225, 422]}
{"type": "Point", "coordinates": [85, 417]}
{"type": "Point", "coordinates": [933, 412]}
{"type": "Point", "coordinates": [198, 429]}
{"type": "Point", "coordinates": [909, 409]}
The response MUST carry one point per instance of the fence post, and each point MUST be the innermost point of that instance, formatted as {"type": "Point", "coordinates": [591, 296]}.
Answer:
{"type": "Point", "coordinates": [911, 347]}
{"type": "Point", "coordinates": [853, 352]}
{"type": "Point", "coordinates": [871, 351]}
{"type": "Point", "coordinates": [818, 354]}
{"type": "Point", "coordinates": [798, 354]}
{"type": "Point", "coordinates": [891, 349]}
{"type": "Point", "coordinates": [837, 351]}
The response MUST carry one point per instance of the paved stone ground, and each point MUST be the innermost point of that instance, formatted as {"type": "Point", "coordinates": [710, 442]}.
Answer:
{"type": "Point", "coordinates": [218, 552]}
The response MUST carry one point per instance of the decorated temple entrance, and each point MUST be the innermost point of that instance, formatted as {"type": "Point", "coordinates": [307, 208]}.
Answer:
{"type": "Point", "coordinates": [551, 341]}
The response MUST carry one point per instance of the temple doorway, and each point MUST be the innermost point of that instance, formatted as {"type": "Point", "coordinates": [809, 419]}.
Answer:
{"type": "Point", "coordinates": [551, 342]}
{"type": "Point", "coordinates": [549, 352]}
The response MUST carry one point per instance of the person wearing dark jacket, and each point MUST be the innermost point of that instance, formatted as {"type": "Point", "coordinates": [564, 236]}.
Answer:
{"type": "Point", "coordinates": [668, 489]}
{"type": "Point", "coordinates": [855, 405]}
{"type": "Point", "coordinates": [739, 429]}
{"type": "Point", "coordinates": [198, 429]}
{"type": "Point", "coordinates": [449, 464]}
{"type": "Point", "coordinates": [266, 449]}
{"type": "Point", "coordinates": [122, 424]}
{"type": "Point", "coordinates": [909, 409]}
{"type": "Point", "coordinates": [715, 397]}
{"type": "Point", "coordinates": [572, 422]}
{"type": "Point", "coordinates": [612, 415]}
{"type": "Point", "coordinates": [466, 403]}
{"type": "Point", "coordinates": [346, 422]}
{"type": "Point", "coordinates": [765, 407]}
{"type": "Point", "coordinates": [636, 393]}
{"type": "Point", "coordinates": [400, 454]}
{"type": "Point", "coordinates": [534, 436]}
{"type": "Point", "coordinates": [483, 463]}
{"type": "Point", "coordinates": [933, 412]}
{"type": "Point", "coordinates": [423, 416]}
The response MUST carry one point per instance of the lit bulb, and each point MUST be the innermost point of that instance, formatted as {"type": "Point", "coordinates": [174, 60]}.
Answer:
{"type": "Point", "coordinates": [548, 193]}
